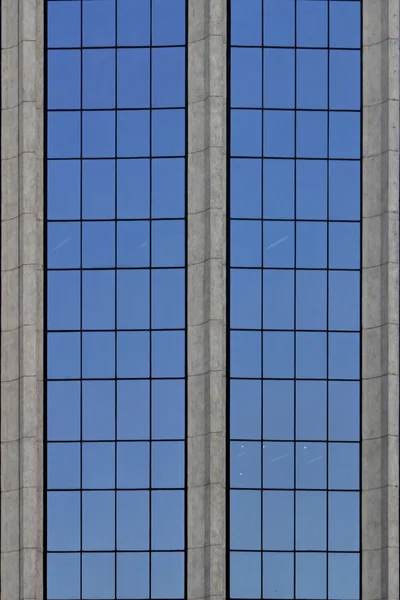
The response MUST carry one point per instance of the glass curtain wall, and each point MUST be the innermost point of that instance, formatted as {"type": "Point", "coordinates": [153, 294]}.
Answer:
{"type": "Point", "coordinates": [116, 295]}
{"type": "Point", "coordinates": [294, 260]}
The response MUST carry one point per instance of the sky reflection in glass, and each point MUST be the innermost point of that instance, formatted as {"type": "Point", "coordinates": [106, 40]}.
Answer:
{"type": "Point", "coordinates": [294, 299]}
{"type": "Point", "coordinates": [116, 299]}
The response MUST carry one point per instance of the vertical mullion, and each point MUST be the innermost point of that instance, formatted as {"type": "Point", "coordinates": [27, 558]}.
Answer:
{"type": "Point", "coordinates": [295, 307]}
{"type": "Point", "coordinates": [150, 290]}
{"type": "Point", "coordinates": [116, 303]}
{"type": "Point", "coordinates": [81, 307]}
{"type": "Point", "coordinates": [262, 445]}
{"type": "Point", "coordinates": [327, 302]}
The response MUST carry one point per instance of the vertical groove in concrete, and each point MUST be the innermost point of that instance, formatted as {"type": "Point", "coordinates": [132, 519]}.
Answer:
{"type": "Point", "coordinates": [22, 88]}
{"type": "Point", "coordinates": [380, 303]}
{"type": "Point", "coordinates": [206, 298]}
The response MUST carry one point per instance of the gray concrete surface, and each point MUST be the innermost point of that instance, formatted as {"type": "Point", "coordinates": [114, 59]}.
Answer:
{"type": "Point", "coordinates": [21, 299]}
{"type": "Point", "coordinates": [380, 303]}
{"type": "Point", "coordinates": [206, 552]}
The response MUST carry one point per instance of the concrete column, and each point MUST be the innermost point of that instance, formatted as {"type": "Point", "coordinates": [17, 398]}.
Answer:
{"type": "Point", "coordinates": [380, 303]}
{"type": "Point", "coordinates": [206, 299]}
{"type": "Point", "coordinates": [22, 85]}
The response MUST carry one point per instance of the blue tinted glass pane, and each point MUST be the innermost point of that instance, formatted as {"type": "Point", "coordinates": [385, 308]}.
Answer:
{"type": "Point", "coordinates": [246, 22]}
{"type": "Point", "coordinates": [168, 26]}
{"type": "Point", "coordinates": [98, 410]}
{"type": "Point", "coordinates": [278, 520]}
{"type": "Point", "coordinates": [311, 294]}
{"type": "Point", "coordinates": [98, 22]}
{"type": "Point", "coordinates": [63, 355]}
{"type": "Point", "coordinates": [133, 410]}
{"type": "Point", "coordinates": [64, 24]}
{"type": "Point", "coordinates": [168, 243]}
{"type": "Point", "coordinates": [98, 78]}
{"type": "Point", "coordinates": [345, 27]}
{"type": "Point", "coordinates": [63, 521]}
{"type": "Point", "coordinates": [63, 466]}
{"type": "Point", "coordinates": [167, 520]}
{"type": "Point", "coordinates": [344, 73]}
{"type": "Point", "coordinates": [133, 243]}
{"type": "Point", "coordinates": [311, 355]}
{"type": "Point", "coordinates": [63, 576]}
{"type": "Point", "coordinates": [133, 78]}
{"type": "Point", "coordinates": [278, 202]}
{"type": "Point", "coordinates": [133, 22]}
{"type": "Point", "coordinates": [279, 22]}
{"type": "Point", "coordinates": [278, 413]}
{"type": "Point", "coordinates": [311, 563]}
{"type": "Point", "coordinates": [133, 189]}
{"type": "Point", "coordinates": [245, 354]}
{"type": "Point", "coordinates": [344, 576]}
{"type": "Point", "coordinates": [245, 520]}
{"type": "Point", "coordinates": [245, 409]}
{"type": "Point", "coordinates": [98, 189]}
{"type": "Point", "coordinates": [312, 23]}
{"type": "Point", "coordinates": [278, 242]}
{"type": "Point", "coordinates": [168, 353]}
{"type": "Point", "coordinates": [63, 300]}
{"type": "Point", "coordinates": [98, 135]}
{"type": "Point", "coordinates": [278, 299]}
{"type": "Point", "coordinates": [133, 133]}
{"type": "Point", "coordinates": [278, 359]}
{"type": "Point", "coordinates": [311, 509]}
{"type": "Point", "coordinates": [64, 79]}
{"type": "Point", "coordinates": [245, 574]}
{"type": "Point", "coordinates": [344, 466]}
{"type": "Point", "coordinates": [168, 409]}
{"type": "Point", "coordinates": [344, 300]}
{"type": "Point", "coordinates": [344, 356]}
{"type": "Point", "coordinates": [246, 132]}
{"type": "Point", "coordinates": [245, 467]}
{"type": "Point", "coordinates": [279, 133]}
{"type": "Point", "coordinates": [312, 134]}
{"type": "Point", "coordinates": [98, 507]}
{"type": "Point", "coordinates": [245, 309]}
{"type": "Point", "coordinates": [167, 575]}
{"type": "Point", "coordinates": [311, 410]}
{"type": "Point", "coordinates": [311, 200]}
{"type": "Point", "coordinates": [344, 245]}
{"type": "Point", "coordinates": [168, 133]}
{"type": "Point", "coordinates": [63, 189]}
{"type": "Point", "coordinates": [132, 575]}
{"type": "Point", "coordinates": [344, 135]}
{"type": "Point", "coordinates": [344, 410]}
{"type": "Point", "coordinates": [278, 572]}
{"type": "Point", "coordinates": [63, 410]}
{"type": "Point", "coordinates": [278, 465]}
{"type": "Point", "coordinates": [311, 245]}
{"type": "Point", "coordinates": [133, 351]}
{"type": "Point", "coordinates": [98, 465]}
{"type": "Point", "coordinates": [133, 520]}
{"type": "Point", "coordinates": [133, 465]}
{"type": "Point", "coordinates": [344, 521]}
{"type": "Point", "coordinates": [98, 576]}
{"type": "Point", "coordinates": [168, 77]}
{"type": "Point", "coordinates": [312, 79]}
{"type": "Point", "coordinates": [344, 189]}
{"type": "Point", "coordinates": [246, 244]}
{"type": "Point", "coordinates": [168, 188]}
{"type": "Point", "coordinates": [168, 464]}
{"type": "Point", "coordinates": [168, 298]}
{"type": "Point", "coordinates": [98, 244]}
{"type": "Point", "coordinates": [98, 299]}
{"type": "Point", "coordinates": [133, 299]}
{"type": "Point", "coordinates": [246, 64]}
{"type": "Point", "coordinates": [63, 134]}
{"type": "Point", "coordinates": [311, 465]}
{"type": "Point", "coordinates": [246, 189]}
{"type": "Point", "coordinates": [98, 354]}
{"type": "Point", "coordinates": [278, 78]}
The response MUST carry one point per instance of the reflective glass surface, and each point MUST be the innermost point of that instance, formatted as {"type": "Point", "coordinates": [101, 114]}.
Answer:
{"type": "Point", "coordinates": [116, 299]}
{"type": "Point", "coordinates": [294, 299]}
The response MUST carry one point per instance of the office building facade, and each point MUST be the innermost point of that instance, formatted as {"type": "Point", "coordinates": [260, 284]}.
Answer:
{"type": "Point", "coordinates": [200, 299]}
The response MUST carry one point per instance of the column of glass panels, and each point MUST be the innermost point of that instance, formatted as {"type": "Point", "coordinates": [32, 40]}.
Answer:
{"type": "Point", "coordinates": [294, 257]}
{"type": "Point", "coordinates": [116, 298]}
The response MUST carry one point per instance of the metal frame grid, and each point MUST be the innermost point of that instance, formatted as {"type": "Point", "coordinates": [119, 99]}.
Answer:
{"type": "Point", "coordinates": [150, 441]}
{"type": "Point", "coordinates": [296, 441]}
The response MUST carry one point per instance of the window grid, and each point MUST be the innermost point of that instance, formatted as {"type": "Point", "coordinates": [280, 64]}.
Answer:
{"type": "Point", "coordinates": [259, 548]}
{"type": "Point", "coordinates": [132, 398]}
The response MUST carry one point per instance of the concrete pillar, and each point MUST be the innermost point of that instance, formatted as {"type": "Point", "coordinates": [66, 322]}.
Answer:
{"type": "Point", "coordinates": [380, 302]}
{"type": "Point", "coordinates": [22, 85]}
{"type": "Point", "coordinates": [206, 553]}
